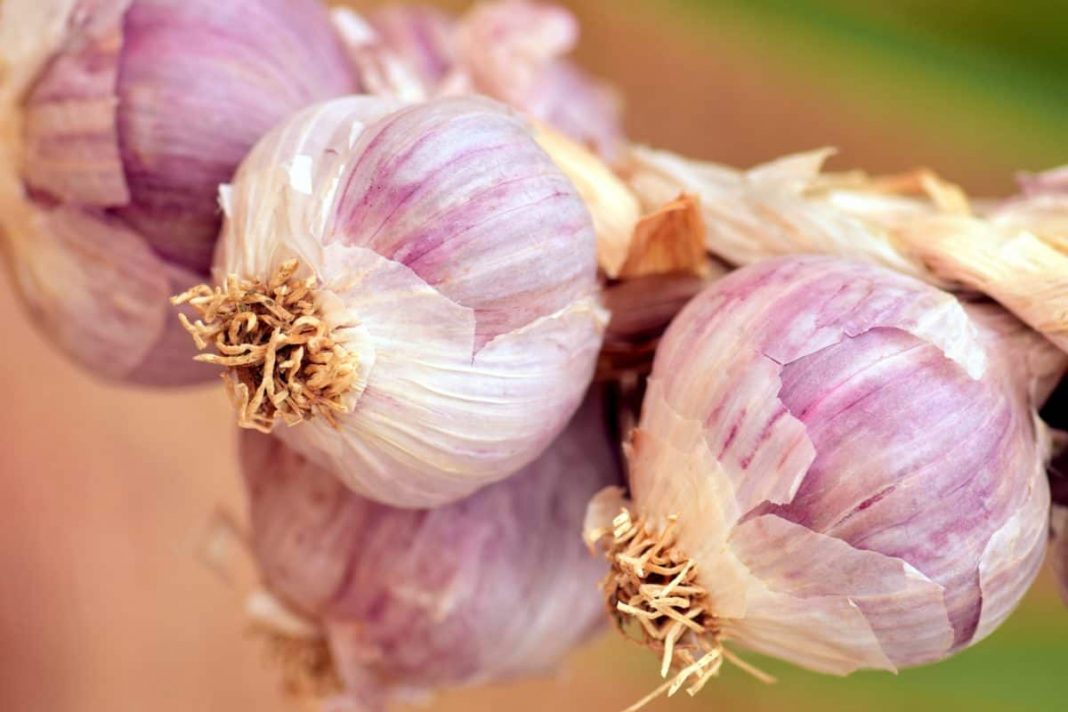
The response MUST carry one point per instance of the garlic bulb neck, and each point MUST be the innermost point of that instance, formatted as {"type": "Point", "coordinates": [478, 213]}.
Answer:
{"type": "Point", "coordinates": [654, 584]}
{"type": "Point", "coordinates": [281, 359]}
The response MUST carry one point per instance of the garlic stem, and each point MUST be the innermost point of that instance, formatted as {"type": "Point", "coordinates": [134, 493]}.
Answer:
{"type": "Point", "coordinates": [280, 357]}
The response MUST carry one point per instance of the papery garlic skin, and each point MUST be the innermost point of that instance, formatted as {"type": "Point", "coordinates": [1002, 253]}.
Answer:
{"type": "Point", "coordinates": [858, 478]}
{"type": "Point", "coordinates": [513, 51]}
{"type": "Point", "coordinates": [115, 138]}
{"type": "Point", "coordinates": [916, 223]}
{"type": "Point", "coordinates": [495, 586]}
{"type": "Point", "coordinates": [770, 211]}
{"type": "Point", "coordinates": [453, 259]}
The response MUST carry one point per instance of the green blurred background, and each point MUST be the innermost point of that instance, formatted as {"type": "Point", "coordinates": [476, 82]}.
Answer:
{"type": "Point", "coordinates": [105, 604]}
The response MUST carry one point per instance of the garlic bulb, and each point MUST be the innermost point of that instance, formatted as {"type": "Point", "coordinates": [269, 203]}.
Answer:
{"type": "Point", "coordinates": [510, 50]}
{"type": "Point", "coordinates": [840, 465]}
{"type": "Point", "coordinates": [494, 586]}
{"type": "Point", "coordinates": [117, 131]}
{"type": "Point", "coordinates": [437, 284]}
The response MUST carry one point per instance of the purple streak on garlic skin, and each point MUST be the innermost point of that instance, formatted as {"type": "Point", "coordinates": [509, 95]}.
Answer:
{"type": "Point", "coordinates": [494, 586]}
{"type": "Point", "coordinates": [147, 108]}
{"type": "Point", "coordinates": [444, 189]}
{"type": "Point", "coordinates": [861, 419]}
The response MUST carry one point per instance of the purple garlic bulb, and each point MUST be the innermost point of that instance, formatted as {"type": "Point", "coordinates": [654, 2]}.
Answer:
{"type": "Point", "coordinates": [513, 51]}
{"type": "Point", "coordinates": [123, 132]}
{"type": "Point", "coordinates": [494, 586]}
{"type": "Point", "coordinates": [412, 291]}
{"type": "Point", "coordinates": [849, 463]}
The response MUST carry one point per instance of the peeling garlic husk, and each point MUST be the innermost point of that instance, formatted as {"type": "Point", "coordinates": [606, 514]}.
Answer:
{"type": "Point", "coordinates": [849, 460]}
{"type": "Point", "coordinates": [917, 224]}
{"type": "Point", "coordinates": [453, 267]}
{"type": "Point", "coordinates": [495, 586]}
{"type": "Point", "coordinates": [118, 119]}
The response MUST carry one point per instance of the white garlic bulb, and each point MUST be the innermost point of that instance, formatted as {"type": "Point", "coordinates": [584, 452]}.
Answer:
{"type": "Point", "coordinates": [439, 280]}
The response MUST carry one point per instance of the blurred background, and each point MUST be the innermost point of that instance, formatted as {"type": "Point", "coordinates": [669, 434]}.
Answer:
{"type": "Point", "coordinates": [105, 600]}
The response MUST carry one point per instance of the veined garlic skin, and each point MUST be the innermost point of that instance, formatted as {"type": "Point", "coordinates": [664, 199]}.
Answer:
{"type": "Point", "coordinates": [495, 586]}
{"type": "Point", "coordinates": [116, 134]}
{"type": "Point", "coordinates": [453, 260]}
{"type": "Point", "coordinates": [857, 470]}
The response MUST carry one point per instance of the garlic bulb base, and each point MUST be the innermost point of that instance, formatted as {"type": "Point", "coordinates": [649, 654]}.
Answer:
{"type": "Point", "coordinates": [281, 359]}
{"type": "Point", "coordinates": [655, 599]}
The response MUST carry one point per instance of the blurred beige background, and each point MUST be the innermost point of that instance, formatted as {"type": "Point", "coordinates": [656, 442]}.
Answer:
{"type": "Point", "coordinates": [105, 604]}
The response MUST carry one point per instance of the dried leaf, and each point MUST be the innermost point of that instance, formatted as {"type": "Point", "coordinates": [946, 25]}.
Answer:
{"type": "Point", "coordinates": [669, 239]}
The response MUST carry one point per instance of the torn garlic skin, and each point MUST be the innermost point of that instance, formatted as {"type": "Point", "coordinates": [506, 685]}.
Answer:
{"type": "Point", "coordinates": [422, 281]}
